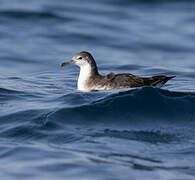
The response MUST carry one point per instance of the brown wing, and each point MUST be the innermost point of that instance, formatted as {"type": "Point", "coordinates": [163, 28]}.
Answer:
{"type": "Point", "coordinates": [155, 80]}
{"type": "Point", "coordinates": [127, 80]}
{"type": "Point", "coordinates": [110, 75]}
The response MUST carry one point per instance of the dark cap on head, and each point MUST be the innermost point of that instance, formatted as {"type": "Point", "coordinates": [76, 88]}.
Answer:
{"type": "Point", "coordinates": [83, 56]}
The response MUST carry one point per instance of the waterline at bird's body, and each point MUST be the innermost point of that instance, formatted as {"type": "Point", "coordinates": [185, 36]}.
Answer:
{"type": "Point", "coordinates": [90, 79]}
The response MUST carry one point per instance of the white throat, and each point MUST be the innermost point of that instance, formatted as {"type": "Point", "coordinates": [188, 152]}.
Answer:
{"type": "Point", "coordinates": [85, 72]}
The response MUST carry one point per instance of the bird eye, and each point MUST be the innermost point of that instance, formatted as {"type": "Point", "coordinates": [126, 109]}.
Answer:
{"type": "Point", "coordinates": [80, 57]}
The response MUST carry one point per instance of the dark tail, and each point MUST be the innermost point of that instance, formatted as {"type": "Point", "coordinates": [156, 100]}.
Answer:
{"type": "Point", "coordinates": [159, 81]}
{"type": "Point", "coordinates": [169, 77]}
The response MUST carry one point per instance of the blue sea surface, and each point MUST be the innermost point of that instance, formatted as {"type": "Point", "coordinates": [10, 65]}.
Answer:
{"type": "Point", "coordinates": [51, 131]}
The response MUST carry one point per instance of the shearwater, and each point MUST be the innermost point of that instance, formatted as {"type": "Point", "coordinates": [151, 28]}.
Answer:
{"type": "Point", "coordinates": [90, 79]}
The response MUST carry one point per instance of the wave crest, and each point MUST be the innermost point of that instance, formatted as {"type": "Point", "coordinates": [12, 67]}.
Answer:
{"type": "Point", "coordinates": [133, 107]}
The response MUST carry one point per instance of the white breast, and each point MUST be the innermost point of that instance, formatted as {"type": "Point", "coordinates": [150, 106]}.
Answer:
{"type": "Point", "coordinates": [84, 75]}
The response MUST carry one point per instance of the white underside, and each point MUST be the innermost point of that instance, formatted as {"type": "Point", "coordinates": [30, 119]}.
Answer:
{"type": "Point", "coordinates": [85, 71]}
{"type": "Point", "coordinates": [96, 88]}
{"type": "Point", "coordinates": [159, 85]}
{"type": "Point", "coordinates": [84, 88]}
{"type": "Point", "coordinates": [101, 88]}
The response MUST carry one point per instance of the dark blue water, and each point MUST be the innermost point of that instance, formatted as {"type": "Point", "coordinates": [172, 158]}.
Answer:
{"type": "Point", "coordinates": [49, 130]}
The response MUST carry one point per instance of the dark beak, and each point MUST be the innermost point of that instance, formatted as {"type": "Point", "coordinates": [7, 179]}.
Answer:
{"type": "Point", "coordinates": [67, 63]}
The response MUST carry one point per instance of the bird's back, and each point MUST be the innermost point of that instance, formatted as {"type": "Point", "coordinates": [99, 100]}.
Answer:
{"type": "Point", "coordinates": [126, 80]}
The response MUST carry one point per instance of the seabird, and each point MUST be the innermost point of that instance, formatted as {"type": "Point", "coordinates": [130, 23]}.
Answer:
{"type": "Point", "coordinates": [90, 79]}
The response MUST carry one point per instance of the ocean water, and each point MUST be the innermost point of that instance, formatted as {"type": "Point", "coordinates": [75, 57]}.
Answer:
{"type": "Point", "coordinates": [49, 130]}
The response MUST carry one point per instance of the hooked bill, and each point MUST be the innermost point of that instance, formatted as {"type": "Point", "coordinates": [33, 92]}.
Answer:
{"type": "Point", "coordinates": [66, 63]}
